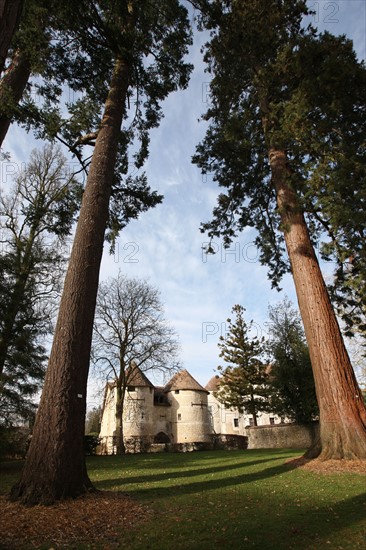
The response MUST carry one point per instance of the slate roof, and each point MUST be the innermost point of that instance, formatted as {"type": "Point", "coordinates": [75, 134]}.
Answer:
{"type": "Point", "coordinates": [135, 377]}
{"type": "Point", "coordinates": [213, 383]}
{"type": "Point", "coordinates": [182, 380]}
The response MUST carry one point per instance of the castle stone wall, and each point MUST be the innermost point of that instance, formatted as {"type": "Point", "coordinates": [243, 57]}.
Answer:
{"type": "Point", "coordinates": [190, 419]}
{"type": "Point", "coordinates": [293, 436]}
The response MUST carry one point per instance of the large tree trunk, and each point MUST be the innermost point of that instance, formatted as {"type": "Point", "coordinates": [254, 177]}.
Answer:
{"type": "Point", "coordinates": [10, 13]}
{"type": "Point", "coordinates": [342, 412]}
{"type": "Point", "coordinates": [12, 87]}
{"type": "Point", "coordinates": [55, 464]}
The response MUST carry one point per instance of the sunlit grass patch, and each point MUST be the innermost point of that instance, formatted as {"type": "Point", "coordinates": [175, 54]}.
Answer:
{"type": "Point", "coordinates": [237, 499]}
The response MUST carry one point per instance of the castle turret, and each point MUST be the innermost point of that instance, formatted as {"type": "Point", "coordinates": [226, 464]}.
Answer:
{"type": "Point", "coordinates": [138, 415]}
{"type": "Point", "coordinates": [189, 413]}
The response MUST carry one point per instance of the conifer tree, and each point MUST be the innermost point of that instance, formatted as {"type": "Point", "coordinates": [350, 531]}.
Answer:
{"type": "Point", "coordinates": [292, 389]}
{"type": "Point", "coordinates": [37, 214]}
{"type": "Point", "coordinates": [244, 381]}
{"type": "Point", "coordinates": [10, 14]}
{"type": "Point", "coordinates": [287, 142]}
{"type": "Point", "coordinates": [27, 53]}
{"type": "Point", "coordinates": [123, 48]}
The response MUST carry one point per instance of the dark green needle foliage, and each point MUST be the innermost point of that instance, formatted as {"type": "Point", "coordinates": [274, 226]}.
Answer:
{"type": "Point", "coordinates": [37, 215]}
{"type": "Point", "coordinates": [152, 37]}
{"type": "Point", "coordinates": [243, 384]}
{"type": "Point", "coordinates": [291, 378]}
{"type": "Point", "coordinates": [278, 83]}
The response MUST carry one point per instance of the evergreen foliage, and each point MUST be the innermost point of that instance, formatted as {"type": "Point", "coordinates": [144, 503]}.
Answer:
{"type": "Point", "coordinates": [37, 215]}
{"type": "Point", "coordinates": [278, 83]}
{"type": "Point", "coordinates": [292, 388]}
{"type": "Point", "coordinates": [117, 49]}
{"type": "Point", "coordinates": [286, 141]}
{"type": "Point", "coordinates": [152, 37]}
{"type": "Point", "coordinates": [244, 381]}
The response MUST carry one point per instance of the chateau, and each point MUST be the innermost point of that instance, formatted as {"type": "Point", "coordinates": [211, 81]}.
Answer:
{"type": "Point", "coordinates": [181, 412]}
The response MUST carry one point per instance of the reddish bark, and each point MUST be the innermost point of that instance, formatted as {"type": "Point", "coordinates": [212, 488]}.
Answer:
{"type": "Point", "coordinates": [10, 13]}
{"type": "Point", "coordinates": [12, 87]}
{"type": "Point", "coordinates": [342, 412]}
{"type": "Point", "coordinates": [55, 465]}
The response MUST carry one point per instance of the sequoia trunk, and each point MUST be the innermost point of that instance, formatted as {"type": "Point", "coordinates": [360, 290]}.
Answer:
{"type": "Point", "coordinates": [342, 412]}
{"type": "Point", "coordinates": [55, 465]}
{"type": "Point", "coordinates": [12, 87]}
{"type": "Point", "coordinates": [10, 13]}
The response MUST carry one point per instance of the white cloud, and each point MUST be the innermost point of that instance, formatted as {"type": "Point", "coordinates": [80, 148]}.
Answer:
{"type": "Point", "coordinates": [165, 244]}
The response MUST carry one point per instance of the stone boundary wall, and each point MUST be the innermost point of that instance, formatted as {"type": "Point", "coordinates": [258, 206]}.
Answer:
{"type": "Point", "coordinates": [295, 436]}
{"type": "Point", "coordinates": [145, 445]}
{"type": "Point", "coordinates": [230, 442]}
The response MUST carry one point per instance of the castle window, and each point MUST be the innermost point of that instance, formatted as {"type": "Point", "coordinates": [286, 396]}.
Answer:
{"type": "Point", "coordinates": [179, 416]}
{"type": "Point", "coordinates": [236, 422]}
{"type": "Point", "coordinates": [176, 391]}
{"type": "Point", "coordinates": [271, 420]}
{"type": "Point", "coordinates": [131, 388]}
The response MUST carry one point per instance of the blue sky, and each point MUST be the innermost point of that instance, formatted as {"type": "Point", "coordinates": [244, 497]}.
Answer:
{"type": "Point", "coordinates": [165, 245]}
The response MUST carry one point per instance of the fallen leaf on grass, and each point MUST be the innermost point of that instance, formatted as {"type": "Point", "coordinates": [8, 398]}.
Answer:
{"type": "Point", "coordinates": [85, 520]}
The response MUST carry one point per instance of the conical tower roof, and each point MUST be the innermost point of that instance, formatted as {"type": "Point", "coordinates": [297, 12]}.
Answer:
{"type": "Point", "coordinates": [183, 381]}
{"type": "Point", "coordinates": [213, 383]}
{"type": "Point", "coordinates": [135, 377]}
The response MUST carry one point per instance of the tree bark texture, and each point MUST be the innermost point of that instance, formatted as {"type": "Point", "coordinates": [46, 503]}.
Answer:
{"type": "Point", "coordinates": [10, 13]}
{"type": "Point", "coordinates": [120, 445]}
{"type": "Point", "coordinates": [55, 465]}
{"type": "Point", "coordinates": [342, 412]}
{"type": "Point", "coordinates": [12, 87]}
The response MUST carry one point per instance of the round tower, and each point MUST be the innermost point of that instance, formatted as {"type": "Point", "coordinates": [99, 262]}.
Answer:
{"type": "Point", "coordinates": [138, 413]}
{"type": "Point", "coordinates": [189, 412]}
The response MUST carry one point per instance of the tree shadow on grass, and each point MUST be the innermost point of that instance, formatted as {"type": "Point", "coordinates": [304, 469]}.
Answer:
{"type": "Point", "coordinates": [308, 526]}
{"type": "Point", "coordinates": [176, 474]}
{"type": "Point", "coordinates": [285, 514]}
{"type": "Point", "coordinates": [194, 487]}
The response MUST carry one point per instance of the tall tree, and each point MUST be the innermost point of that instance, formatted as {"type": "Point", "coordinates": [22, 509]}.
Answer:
{"type": "Point", "coordinates": [130, 332]}
{"type": "Point", "coordinates": [10, 13]}
{"type": "Point", "coordinates": [286, 140]}
{"type": "Point", "coordinates": [92, 421]}
{"type": "Point", "coordinates": [36, 215]}
{"type": "Point", "coordinates": [137, 46]}
{"type": "Point", "coordinates": [291, 378]}
{"type": "Point", "coordinates": [28, 52]}
{"type": "Point", "coordinates": [244, 381]}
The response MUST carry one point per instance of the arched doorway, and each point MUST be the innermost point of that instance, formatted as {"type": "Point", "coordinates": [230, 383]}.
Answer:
{"type": "Point", "coordinates": [161, 437]}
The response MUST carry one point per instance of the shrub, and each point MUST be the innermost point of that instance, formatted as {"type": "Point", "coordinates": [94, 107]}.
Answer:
{"type": "Point", "coordinates": [91, 442]}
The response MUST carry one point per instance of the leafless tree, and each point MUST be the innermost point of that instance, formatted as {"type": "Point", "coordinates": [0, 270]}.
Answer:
{"type": "Point", "coordinates": [130, 333]}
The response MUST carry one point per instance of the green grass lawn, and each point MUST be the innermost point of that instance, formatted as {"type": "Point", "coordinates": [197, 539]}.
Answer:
{"type": "Point", "coordinates": [233, 500]}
